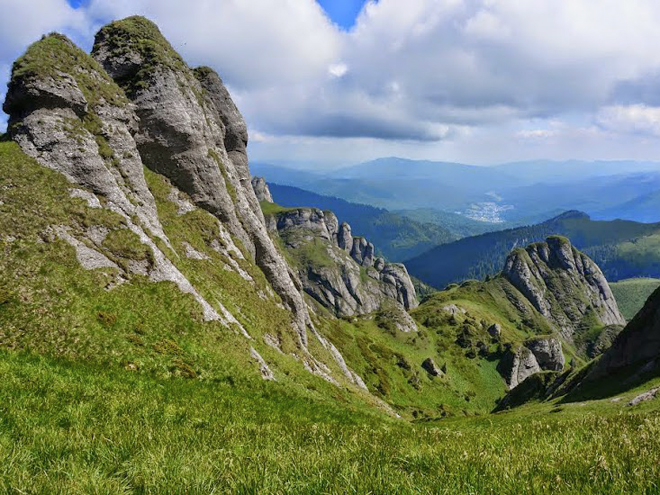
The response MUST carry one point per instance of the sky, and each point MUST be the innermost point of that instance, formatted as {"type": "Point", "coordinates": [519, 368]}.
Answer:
{"type": "Point", "coordinates": [333, 82]}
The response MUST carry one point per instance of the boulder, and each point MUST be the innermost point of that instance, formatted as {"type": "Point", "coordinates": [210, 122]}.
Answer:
{"type": "Point", "coordinates": [431, 368]}
{"type": "Point", "coordinates": [535, 356]}
{"type": "Point", "coordinates": [548, 353]}
{"type": "Point", "coordinates": [495, 330]}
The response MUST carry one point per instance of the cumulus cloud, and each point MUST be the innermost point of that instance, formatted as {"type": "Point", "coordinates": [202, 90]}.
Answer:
{"type": "Point", "coordinates": [450, 72]}
{"type": "Point", "coordinates": [634, 119]}
{"type": "Point", "coordinates": [25, 21]}
{"type": "Point", "coordinates": [255, 45]}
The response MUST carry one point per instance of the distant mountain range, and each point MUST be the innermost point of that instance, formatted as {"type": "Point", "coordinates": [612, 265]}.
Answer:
{"type": "Point", "coordinates": [395, 236]}
{"type": "Point", "coordinates": [508, 194]}
{"type": "Point", "coordinates": [623, 249]}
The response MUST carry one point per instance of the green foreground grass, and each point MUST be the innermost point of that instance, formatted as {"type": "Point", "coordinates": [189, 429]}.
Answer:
{"type": "Point", "coordinates": [68, 428]}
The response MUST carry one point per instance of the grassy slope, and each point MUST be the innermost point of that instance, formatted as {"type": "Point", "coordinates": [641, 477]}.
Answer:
{"type": "Point", "coordinates": [50, 305]}
{"type": "Point", "coordinates": [128, 390]}
{"type": "Point", "coordinates": [81, 429]}
{"type": "Point", "coordinates": [390, 362]}
{"type": "Point", "coordinates": [631, 294]}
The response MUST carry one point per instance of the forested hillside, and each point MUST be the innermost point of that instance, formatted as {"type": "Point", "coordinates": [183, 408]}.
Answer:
{"type": "Point", "coordinates": [623, 249]}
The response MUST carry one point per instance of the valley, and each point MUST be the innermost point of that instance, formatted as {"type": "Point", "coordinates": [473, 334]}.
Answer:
{"type": "Point", "coordinates": [172, 321]}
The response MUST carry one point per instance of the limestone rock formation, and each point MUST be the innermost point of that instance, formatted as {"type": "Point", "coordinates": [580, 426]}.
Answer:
{"type": "Point", "coordinates": [339, 271]}
{"type": "Point", "coordinates": [431, 368]}
{"type": "Point", "coordinates": [70, 116]}
{"type": "Point", "coordinates": [189, 130]}
{"type": "Point", "coordinates": [99, 120]}
{"type": "Point", "coordinates": [646, 396]}
{"type": "Point", "coordinates": [495, 330]}
{"type": "Point", "coordinates": [548, 353]}
{"type": "Point", "coordinates": [261, 189]}
{"type": "Point", "coordinates": [535, 356]}
{"type": "Point", "coordinates": [563, 284]}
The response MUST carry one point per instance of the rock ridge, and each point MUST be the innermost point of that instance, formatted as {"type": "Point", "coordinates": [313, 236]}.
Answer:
{"type": "Point", "coordinates": [339, 271]}
{"type": "Point", "coordinates": [563, 284]}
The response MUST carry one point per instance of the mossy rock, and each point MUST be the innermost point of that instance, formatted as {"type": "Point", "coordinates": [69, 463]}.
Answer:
{"type": "Point", "coordinates": [138, 35]}
{"type": "Point", "coordinates": [55, 54]}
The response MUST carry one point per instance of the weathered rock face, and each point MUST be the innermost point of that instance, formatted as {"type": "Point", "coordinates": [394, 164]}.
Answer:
{"type": "Point", "coordinates": [339, 271]}
{"type": "Point", "coordinates": [71, 116]}
{"type": "Point", "coordinates": [535, 356]}
{"type": "Point", "coordinates": [190, 131]}
{"type": "Point", "coordinates": [345, 237]}
{"type": "Point", "coordinates": [563, 284]}
{"type": "Point", "coordinates": [261, 189]}
{"type": "Point", "coordinates": [548, 353]}
{"type": "Point", "coordinates": [518, 366]}
{"type": "Point", "coordinates": [637, 347]}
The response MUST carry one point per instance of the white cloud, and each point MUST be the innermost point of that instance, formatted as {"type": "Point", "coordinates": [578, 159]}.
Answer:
{"type": "Point", "coordinates": [634, 119]}
{"type": "Point", "coordinates": [255, 44]}
{"type": "Point", "coordinates": [23, 22]}
{"type": "Point", "coordinates": [338, 70]}
{"type": "Point", "coordinates": [417, 76]}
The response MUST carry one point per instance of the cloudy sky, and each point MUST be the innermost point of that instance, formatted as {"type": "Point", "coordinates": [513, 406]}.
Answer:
{"type": "Point", "coordinates": [331, 82]}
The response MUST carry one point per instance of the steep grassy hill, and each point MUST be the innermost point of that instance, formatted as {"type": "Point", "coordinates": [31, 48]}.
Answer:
{"type": "Point", "coordinates": [632, 293]}
{"type": "Point", "coordinates": [53, 307]}
{"type": "Point", "coordinates": [622, 249]}
{"type": "Point", "coordinates": [396, 237]}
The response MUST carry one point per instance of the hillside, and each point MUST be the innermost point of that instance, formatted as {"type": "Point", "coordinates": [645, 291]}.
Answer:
{"type": "Point", "coordinates": [397, 238]}
{"type": "Point", "coordinates": [623, 249]}
{"type": "Point", "coordinates": [513, 194]}
{"type": "Point", "coordinates": [632, 293]}
{"type": "Point", "coordinates": [644, 208]}
{"type": "Point", "coordinates": [166, 327]}
{"type": "Point", "coordinates": [459, 225]}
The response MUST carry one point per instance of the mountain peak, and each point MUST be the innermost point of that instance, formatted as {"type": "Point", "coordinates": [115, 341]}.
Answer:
{"type": "Point", "coordinates": [571, 215]}
{"type": "Point", "coordinates": [563, 284]}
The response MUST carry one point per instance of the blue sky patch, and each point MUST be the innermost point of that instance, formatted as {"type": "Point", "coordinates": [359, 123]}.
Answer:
{"type": "Point", "coordinates": [342, 12]}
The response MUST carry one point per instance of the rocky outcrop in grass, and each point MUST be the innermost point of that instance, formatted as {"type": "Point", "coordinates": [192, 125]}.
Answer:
{"type": "Point", "coordinates": [339, 271]}
{"type": "Point", "coordinates": [564, 285]}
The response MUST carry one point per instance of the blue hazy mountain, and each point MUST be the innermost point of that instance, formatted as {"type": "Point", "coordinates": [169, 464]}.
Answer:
{"type": "Point", "coordinates": [507, 194]}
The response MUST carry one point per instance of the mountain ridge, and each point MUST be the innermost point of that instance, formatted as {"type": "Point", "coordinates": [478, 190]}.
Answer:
{"type": "Point", "coordinates": [483, 255]}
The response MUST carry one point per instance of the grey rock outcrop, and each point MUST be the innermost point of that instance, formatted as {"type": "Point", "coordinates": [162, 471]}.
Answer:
{"type": "Point", "coordinates": [261, 189]}
{"type": "Point", "coordinates": [100, 120]}
{"type": "Point", "coordinates": [345, 237]}
{"type": "Point", "coordinates": [646, 396]}
{"type": "Point", "coordinates": [535, 356]}
{"type": "Point", "coordinates": [548, 353]}
{"type": "Point", "coordinates": [339, 271]}
{"type": "Point", "coordinates": [517, 366]}
{"type": "Point", "coordinates": [495, 330]}
{"type": "Point", "coordinates": [431, 368]}
{"type": "Point", "coordinates": [74, 119]}
{"type": "Point", "coordinates": [190, 131]}
{"type": "Point", "coordinates": [563, 284]}
{"type": "Point", "coordinates": [363, 251]}
{"type": "Point", "coordinates": [69, 115]}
